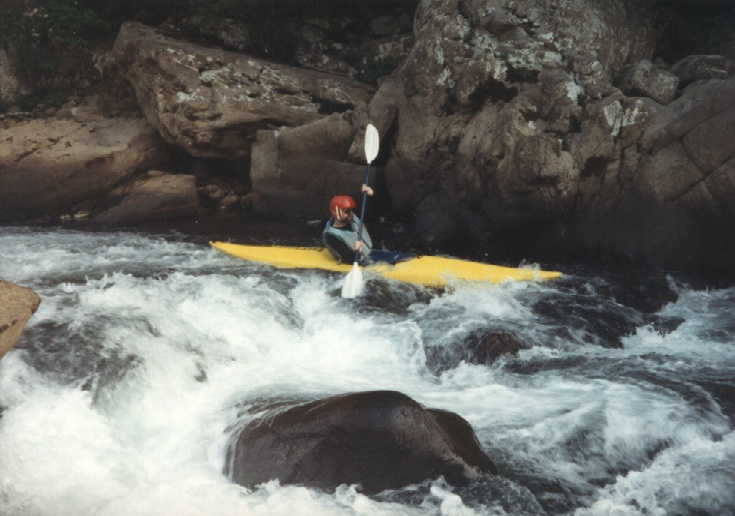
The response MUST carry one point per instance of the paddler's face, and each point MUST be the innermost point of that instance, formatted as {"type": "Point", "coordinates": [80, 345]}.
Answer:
{"type": "Point", "coordinates": [343, 215]}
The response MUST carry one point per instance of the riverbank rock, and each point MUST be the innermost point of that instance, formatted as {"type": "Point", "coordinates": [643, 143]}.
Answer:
{"type": "Point", "coordinates": [17, 305]}
{"type": "Point", "coordinates": [158, 196]}
{"type": "Point", "coordinates": [379, 439]}
{"type": "Point", "coordinates": [212, 102]}
{"type": "Point", "coordinates": [49, 165]}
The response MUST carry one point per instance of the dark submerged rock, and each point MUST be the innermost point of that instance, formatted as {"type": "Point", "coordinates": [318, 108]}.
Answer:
{"type": "Point", "coordinates": [479, 347]}
{"type": "Point", "coordinates": [487, 348]}
{"type": "Point", "coordinates": [590, 321]}
{"type": "Point", "coordinates": [379, 439]}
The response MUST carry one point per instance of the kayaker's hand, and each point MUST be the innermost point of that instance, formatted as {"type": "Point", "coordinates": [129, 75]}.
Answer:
{"type": "Point", "coordinates": [358, 245]}
{"type": "Point", "coordinates": [367, 190]}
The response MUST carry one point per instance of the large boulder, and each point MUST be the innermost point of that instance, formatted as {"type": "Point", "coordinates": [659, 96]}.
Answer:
{"type": "Point", "coordinates": [212, 102]}
{"type": "Point", "coordinates": [380, 440]}
{"type": "Point", "coordinates": [49, 165]}
{"type": "Point", "coordinates": [17, 305]}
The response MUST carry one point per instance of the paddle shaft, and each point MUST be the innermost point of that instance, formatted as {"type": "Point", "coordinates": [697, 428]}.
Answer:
{"type": "Point", "coordinates": [352, 287]}
{"type": "Point", "coordinates": [363, 203]}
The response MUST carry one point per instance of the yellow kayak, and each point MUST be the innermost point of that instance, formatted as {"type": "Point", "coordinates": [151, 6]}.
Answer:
{"type": "Point", "coordinates": [430, 271]}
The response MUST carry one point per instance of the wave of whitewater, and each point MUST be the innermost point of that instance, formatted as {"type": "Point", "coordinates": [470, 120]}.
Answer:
{"type": "Point", "coordinates": [124, 391]}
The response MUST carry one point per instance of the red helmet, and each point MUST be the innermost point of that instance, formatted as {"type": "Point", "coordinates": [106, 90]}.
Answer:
{"type": "Point", "coordinates": [343, 202]}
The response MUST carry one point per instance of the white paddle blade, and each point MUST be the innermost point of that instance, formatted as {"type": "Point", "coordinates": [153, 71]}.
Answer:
{"type": "Point", "coordinates": [372, 143]}
{"type": "Point", "coordinates": [352, 286]}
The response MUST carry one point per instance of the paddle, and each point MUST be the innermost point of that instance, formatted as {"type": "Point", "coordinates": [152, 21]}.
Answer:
{"type": "Point", "coordinates": [353, 284]}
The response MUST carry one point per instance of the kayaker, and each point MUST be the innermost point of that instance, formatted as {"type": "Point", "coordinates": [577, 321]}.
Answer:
{"type": "Point", "coordinates": [340, 233]}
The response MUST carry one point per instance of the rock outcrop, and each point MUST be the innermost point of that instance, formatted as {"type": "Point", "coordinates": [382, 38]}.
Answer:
{"type": "Point", "coordinates": [533, 123]}
{"type": "Point", "coordinates": [17, 305]}
{"type": "Point", "coordinates": [211, 102]}
{"type": "Point", "coordinates": [47, 166]}
{"type": "Point", "coordinates": [380, 440]}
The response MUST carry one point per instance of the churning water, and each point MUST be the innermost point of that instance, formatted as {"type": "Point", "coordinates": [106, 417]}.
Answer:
{"type": "Point", "coordinates": [129, 381]}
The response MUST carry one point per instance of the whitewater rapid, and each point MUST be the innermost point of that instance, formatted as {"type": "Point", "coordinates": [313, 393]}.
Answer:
{"type": "Point", "coordinates": [148, 350]}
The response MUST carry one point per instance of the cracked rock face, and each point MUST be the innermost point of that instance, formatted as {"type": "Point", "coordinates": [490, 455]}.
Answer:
{"type": "Point", "coordinates": [211, 102]}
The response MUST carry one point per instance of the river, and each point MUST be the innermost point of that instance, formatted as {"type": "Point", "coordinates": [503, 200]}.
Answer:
{"type": "Point", "coordinates": [121, 397]}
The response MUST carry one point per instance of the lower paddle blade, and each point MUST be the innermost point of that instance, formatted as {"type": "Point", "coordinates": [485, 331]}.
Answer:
{"type": "Point", "coordinates": [352, 286]}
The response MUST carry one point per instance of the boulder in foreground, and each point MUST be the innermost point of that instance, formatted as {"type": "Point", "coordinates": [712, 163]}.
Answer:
{"type": "Point", "coordinates": [378, 439]}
